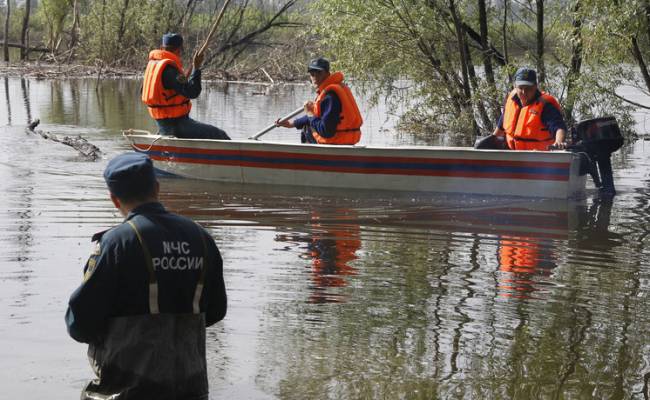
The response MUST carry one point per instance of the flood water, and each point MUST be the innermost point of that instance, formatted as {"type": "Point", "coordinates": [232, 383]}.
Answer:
{"type": "Point", "coordinates": [333, 294]}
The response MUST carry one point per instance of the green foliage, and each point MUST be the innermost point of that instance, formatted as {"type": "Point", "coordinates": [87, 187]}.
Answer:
{"type": "Point", "coordinates": [390, 44]}
{"type": "Point", "coordinates": [410, 52]}
{"type": "Point", "coordinates": [52, 14]}
{"type": "Point", "coordinates": [119, 32]}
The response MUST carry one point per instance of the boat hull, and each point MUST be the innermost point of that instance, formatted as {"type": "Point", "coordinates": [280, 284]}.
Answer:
{"type": "Point", "coordinates": [422, 169]}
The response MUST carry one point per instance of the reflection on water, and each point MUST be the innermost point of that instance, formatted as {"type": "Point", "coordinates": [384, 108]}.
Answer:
{"type": "Point", "coordinates": [335, 294]}
{"type": "Point", "coordinates": [7, 100]}
{"type": "Point", "coordinates": [24, 86]}
{"type": "Point", "coordinates": [332, 248]}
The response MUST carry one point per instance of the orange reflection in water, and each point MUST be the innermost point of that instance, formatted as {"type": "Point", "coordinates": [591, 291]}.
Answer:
{"type": "Point", "coordinates": [332, 248]}
{"type": "Point", "coordinates": [521, 261]}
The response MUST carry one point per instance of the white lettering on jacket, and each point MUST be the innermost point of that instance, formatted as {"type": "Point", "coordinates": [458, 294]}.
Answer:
{"type": "Point", "coordinates": [176, 248]}
{"type": "Point", "coordinates": [176, 258]}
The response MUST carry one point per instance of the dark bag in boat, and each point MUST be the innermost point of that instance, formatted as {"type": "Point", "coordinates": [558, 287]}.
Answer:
{"type": "Point", "coordinates": [599, 135]}
{"type": "Point", "coordinates": [491, 142]}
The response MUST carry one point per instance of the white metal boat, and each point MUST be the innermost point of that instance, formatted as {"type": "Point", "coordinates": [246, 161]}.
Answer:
{"type": "Point", "coordinates": [551, 174]}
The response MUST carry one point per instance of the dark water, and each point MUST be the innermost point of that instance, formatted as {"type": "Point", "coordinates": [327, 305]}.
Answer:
{"type": "Point", "coordinates": [333, 294]}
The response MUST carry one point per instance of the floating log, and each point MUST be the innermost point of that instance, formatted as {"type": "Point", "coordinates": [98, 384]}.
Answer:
{"type": "Point", "coordinates": [86, 149]}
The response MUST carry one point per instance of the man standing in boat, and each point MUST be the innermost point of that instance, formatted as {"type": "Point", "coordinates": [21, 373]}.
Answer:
{"type": "Point", "coordinates": [333, 118]}
{"type": "Point", "coordinates": [167, 91]}
{"type": "Point", "coordinates": [150, 288]}
{"type": "Point", "coordinates": [531, 119]}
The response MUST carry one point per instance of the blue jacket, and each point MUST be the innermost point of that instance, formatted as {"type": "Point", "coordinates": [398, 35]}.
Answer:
{"type": "Point", "coordinates": [116, 277]}
{"type": "Point", "coordinates": [330, 116]}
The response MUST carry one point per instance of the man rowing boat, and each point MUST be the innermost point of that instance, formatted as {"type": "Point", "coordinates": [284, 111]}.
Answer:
{"type": "Point", "coordinates": [334, 117]}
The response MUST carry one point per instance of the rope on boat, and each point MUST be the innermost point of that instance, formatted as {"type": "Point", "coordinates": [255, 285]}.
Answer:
{"type": "Point", "coordinates": [127, 133]}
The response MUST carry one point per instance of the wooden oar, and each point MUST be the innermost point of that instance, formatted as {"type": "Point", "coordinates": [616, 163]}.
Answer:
{"type": "Point", "coordinates": [204, 47]}
{"type": "Point", "coordinates": [213, 29]}
{"type": "Point", "coordinates": [273, 126]}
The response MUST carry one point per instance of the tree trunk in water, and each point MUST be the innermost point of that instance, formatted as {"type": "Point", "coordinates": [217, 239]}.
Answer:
{"type": "Point", "coordinates": [122, 25]}
{"type": "Point", "coordinates": [504, 30]}
{"type": "Point", "coordinates": [6, 45]}
{"type": "Point", "coordinates": [463, 55]}
{"type": "Point", "coordinates": [541, 73]}
{"type": "Point", "coordinates": [576, 64]}
{"type": "Point", "coordinates": [103, 30]}
{"type": "Point", "coordinates": [450, 86]}
{"type": "Point", "coordinates": [487, 62]}
{"type": "Point", "coordinates": [646, 9]}
{"type": "Point", "coordinates": [74, 31]}
{"type": "Point", "coordinates": [482, 112]}
{"type": "Point", "coordinates": [460, 37]}
{"type": "Point", "coordinates": [638, 55]}
{"type": "Point", "coordinates": [24, 39]}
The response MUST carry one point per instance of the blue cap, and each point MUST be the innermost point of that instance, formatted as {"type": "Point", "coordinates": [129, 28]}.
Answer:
{"type": "Point", "coordinates": [319, 64]}
{"type": "Point", "coordinates": [525, 77]}
{"type": "Point", "coordinates": [172, 40]}
{"type": "Point", "coordinates": [130, 175]}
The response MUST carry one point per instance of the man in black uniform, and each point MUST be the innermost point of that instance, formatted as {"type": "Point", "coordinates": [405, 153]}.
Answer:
{"type": "Point", "coordinates": [150, 288]}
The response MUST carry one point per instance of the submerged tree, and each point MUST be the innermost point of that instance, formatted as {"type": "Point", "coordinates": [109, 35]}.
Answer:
{"type": "Point", "coordinates": [431, 47]}
{"type": "Point", "coordinates": [5, 46]}
{"type": "Point", "coordinates": [24, 38]}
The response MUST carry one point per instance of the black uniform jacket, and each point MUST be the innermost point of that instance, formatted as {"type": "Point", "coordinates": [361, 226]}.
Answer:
{"type": "Point", "coordinates": [116, 277]}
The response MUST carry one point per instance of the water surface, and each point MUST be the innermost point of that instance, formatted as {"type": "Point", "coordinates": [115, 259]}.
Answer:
{"type": "Point", "coordinates": [333, 294]}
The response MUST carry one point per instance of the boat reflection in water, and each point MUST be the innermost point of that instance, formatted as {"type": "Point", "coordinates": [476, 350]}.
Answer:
{"type": "Point", "coordinates": [520, 240]}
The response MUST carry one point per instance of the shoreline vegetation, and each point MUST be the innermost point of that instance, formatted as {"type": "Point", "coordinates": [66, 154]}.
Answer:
{"type": "Point", "coordinates": [457, 55]}
{"type": "Point", "coordinates": [47, 70]}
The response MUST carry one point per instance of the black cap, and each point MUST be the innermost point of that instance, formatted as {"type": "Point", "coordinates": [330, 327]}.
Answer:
{"type": "Point", "coordinates": [525, 77]}
{"type": "Point", "coordinates": [319, 64]}
{"type": "Point", "coordinates": [172, 40]}
{"type": "Point", "coordinates": [130, 175]}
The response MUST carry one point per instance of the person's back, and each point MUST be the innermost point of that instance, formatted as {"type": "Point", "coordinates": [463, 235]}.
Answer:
{"type": "Point", "coordinates": [149, 291]}
{"type": "Point", "coordinates": [167, 90]}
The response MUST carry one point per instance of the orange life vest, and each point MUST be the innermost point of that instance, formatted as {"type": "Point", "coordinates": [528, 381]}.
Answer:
{"type": "Point", "coordinates": [348, 130]}
{"type": "Point", "coordinates": [523, 125]}
{"type": "Point", "coordinates": [163, 103]}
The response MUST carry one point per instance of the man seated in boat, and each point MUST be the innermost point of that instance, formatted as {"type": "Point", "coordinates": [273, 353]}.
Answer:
{"type": "Point", "coordinates": [167, 91]}
{"type": "Point", "coordinates": [531, 119]}
{"type": "Point", "coordinates": [333, 118]}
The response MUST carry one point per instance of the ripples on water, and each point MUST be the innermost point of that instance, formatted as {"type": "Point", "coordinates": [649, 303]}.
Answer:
{"type": "Point", "coordinates": [339, 294]}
